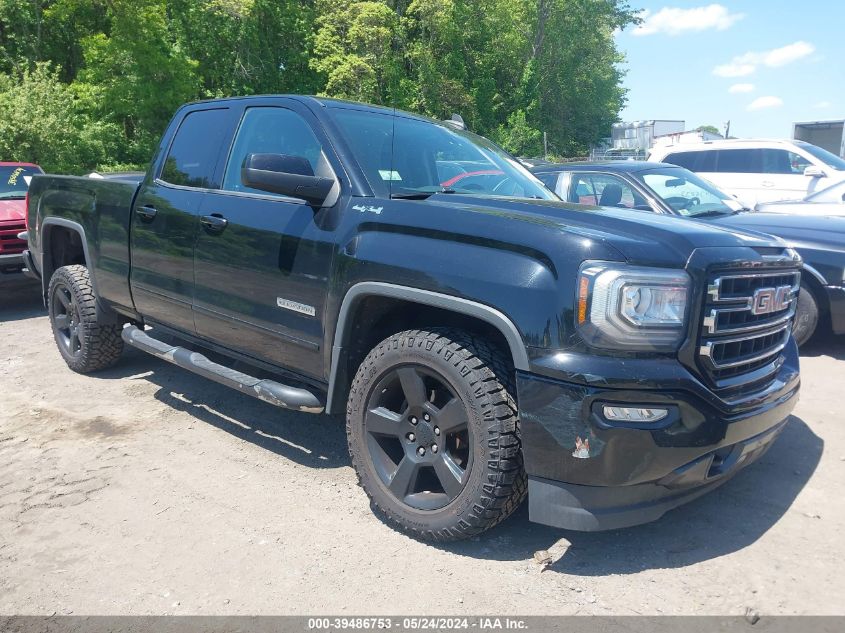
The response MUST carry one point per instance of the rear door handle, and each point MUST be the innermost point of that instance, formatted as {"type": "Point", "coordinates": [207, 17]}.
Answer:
{"type": "Point", "coordinates": [146, 213]}
{"type": "Point", "coordinates": [214, 223]}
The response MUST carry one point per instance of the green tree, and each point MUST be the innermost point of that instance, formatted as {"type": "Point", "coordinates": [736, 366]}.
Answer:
{"type": "Point", "coordinates": [41, 121]}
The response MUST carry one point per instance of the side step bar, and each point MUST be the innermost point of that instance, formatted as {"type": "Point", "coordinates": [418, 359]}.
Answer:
{"type": "Point", "coordinates": [268, 390]}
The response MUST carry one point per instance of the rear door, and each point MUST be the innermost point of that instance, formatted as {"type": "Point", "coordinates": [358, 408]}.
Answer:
{"type": "Point", "coordinates": [263, 260]}
{"type": "Point", "coordinates": [165, 218]}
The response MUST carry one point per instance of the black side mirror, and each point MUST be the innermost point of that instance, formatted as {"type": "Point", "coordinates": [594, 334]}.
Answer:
{"type": "Point", "coordinates": [287, 175]}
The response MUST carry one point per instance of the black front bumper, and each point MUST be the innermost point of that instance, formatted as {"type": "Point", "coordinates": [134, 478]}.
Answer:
{"type": "Point", "coordinates": [586, 473]}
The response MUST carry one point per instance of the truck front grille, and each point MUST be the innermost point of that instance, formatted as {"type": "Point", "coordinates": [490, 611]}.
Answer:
{"type": "Point", "coordinates": [747, 321]}
{"type": "Point", "coordinates": [9, 242]}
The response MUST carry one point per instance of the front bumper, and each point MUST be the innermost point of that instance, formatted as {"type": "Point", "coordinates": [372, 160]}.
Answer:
{"type": "Point", "coordinates": [836, 301]}
{"type": "Point", "coordinates": [586, 473]}
{"type": "Point", "coordinates": [11, 261]}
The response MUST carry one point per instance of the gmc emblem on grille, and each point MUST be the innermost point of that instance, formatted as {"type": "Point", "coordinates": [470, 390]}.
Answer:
{"type": "Point", "coordinates": [768, 300]}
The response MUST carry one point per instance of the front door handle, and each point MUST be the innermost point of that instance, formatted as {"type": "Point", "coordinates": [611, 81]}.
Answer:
{"type": "Point", "coordinates": [768, 183]}
{"type": "Point", "coordinates": [146, 213]}
{"type": "Point", "coordinates": [214, 223]}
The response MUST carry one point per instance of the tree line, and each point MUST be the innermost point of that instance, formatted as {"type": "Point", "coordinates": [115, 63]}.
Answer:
{"type": "Point", "coordinates": [91, 84]}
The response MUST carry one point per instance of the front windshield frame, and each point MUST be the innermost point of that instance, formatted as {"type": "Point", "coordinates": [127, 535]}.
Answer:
{"type": "Point", "coordinates": [819, 153]}
{"type": "Point", "coordinates": [726, 205]}
{"type": "Point", "coordinates": [386, 182]}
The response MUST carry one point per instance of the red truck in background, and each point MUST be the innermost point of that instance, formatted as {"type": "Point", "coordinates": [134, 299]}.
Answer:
{"type": "Point", "coordinates": [14, 183]}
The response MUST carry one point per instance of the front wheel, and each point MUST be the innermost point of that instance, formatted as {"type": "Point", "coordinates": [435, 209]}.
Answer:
{"type": "Point", "coordinates": [86, 344]}
{"type": "Point", "coordinates": [806, 316]}
{"type": "Point", "coordinates": [433, 434]}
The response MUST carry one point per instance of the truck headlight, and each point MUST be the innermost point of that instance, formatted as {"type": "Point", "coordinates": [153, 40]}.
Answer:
{"type": "Point", "coordinates": [629, 307]}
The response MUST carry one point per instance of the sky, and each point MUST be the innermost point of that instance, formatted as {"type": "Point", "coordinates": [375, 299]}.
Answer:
{"type": "Point", "coordinates": [760, 64]}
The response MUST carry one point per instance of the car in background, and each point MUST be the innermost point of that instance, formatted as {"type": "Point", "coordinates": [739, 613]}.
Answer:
{"type": "Point", "coordinates": [830, 201]}
{"type": "Point", "coordinates": [756, 171]}
{"type": "Point", "coordinates": [14, 183]}
{"type": "Point", "coordinates": [672, 190]}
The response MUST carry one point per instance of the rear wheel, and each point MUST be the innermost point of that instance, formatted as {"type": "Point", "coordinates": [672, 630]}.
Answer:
{"type": "Point", "coordinates": [806, 316]}
{"type": "Point", "coordinates": [433, 435]}
{"type": "Point", "coordinates": [86, 344]}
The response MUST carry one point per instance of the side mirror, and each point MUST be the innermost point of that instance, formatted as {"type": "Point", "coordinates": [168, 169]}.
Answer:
{"type": "Point", "coordinates": [814, 172]}
{"type": "Point", "coordinates": [287, 175]}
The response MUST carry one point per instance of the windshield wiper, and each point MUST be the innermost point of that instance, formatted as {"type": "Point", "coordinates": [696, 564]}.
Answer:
{"type": "Point", "coordinates": [712, 213]}
{"type": "Point", "coordinates": [419, 195]}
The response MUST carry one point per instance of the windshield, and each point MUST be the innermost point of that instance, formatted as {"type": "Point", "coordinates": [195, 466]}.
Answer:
{"type": "Point", "coordinates": [410, 157]}
{"type": "Point", "coordinates": [14, 180]}
{"type": "Point", "coordinates": [688, 194]}
{"type": "Point", "coordinates": [829, 159]}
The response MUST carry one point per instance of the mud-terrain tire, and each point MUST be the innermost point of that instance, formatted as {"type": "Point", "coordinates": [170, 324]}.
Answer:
{"type": "Point", "coordinates": [806, 316]}
{"type": "Point", "coordinates": [433, 434]}
{"type": "Point", "coordinates": [85, 344]}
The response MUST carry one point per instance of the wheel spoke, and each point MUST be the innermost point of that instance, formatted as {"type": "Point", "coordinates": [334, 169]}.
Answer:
{"type": "Point", "coordinates": [452, 417]}
{"type": "Point", "coordinates": [450, 475]}
{"type": "Point", "coordinates": [61, 321]}
{"type": "Point", "coordinates": [405, 477]}
{"type": "Point", "coordinates": [381, 421]}
{"type": "Point", "coordinates": [64, 299]}
{"type": "Point", "coordinates": [412, 386]}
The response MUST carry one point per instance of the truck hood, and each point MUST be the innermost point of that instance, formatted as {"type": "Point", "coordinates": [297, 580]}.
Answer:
{"type": "Point", "coordinates": [643, 238]}
{"type": "Point", "coordinates": [12, 210]}
{"type": "Point", "coordinates": [817, 231]}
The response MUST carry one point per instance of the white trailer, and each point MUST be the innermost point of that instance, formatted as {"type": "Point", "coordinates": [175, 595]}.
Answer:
{"type": "Point", "coordinates": [829, 135]}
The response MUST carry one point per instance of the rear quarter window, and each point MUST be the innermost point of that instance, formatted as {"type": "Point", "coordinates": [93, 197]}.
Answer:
{"type": "Point", "coordinates": [195, 150]}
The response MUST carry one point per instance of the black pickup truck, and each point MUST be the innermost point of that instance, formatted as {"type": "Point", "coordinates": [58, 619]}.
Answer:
{"type": "Point", "coordinates": [484, 339]}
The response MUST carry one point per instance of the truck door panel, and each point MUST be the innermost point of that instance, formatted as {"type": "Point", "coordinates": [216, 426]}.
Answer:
{"type": "Point", "coordinates": [166, 216]}
{"type": "Point", "coordinates": [261, 281]}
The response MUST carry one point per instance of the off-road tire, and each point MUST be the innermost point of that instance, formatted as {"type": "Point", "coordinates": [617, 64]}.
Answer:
{"type": "Point", "coordinates": [482, 379]}
{"type": "Point", "coordinates": [97, 345]}
{"type": "Point", "coordinates": [806, 316]}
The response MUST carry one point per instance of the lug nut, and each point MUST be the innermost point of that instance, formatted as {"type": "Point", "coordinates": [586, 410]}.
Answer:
{"type": "Point", "coordinates": [413, 419]}
{"type": "Point", "coordinates": [437, 430]}
{"type": "Point", "coordinates": [434, 448]}
{"type": "Point", "coordinates": [411, 437]}
{"type": "Point", "coordinates": [421, 451]}
{"type": "Point", "coordinates": [426, 417]}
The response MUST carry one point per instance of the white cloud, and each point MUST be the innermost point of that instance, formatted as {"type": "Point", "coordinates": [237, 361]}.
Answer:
{"type": "Point", "coordinates": [744, 65]}
{"type": "Point", "coordinates": [761, 103]}
{"type": "Point", "coordinates": [823, 105]}
{"type": "Point", "coordinates": [674, 21]}
{"type": "Point", "coordinates": [740, 88]}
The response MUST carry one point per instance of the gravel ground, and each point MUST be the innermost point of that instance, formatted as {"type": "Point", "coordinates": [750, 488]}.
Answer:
{"type": "Point", "coordinates": [148, 490]}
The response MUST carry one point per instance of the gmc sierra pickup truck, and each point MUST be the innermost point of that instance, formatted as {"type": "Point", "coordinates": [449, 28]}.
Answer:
{"type": "Point", "coordinates": [484, 339]}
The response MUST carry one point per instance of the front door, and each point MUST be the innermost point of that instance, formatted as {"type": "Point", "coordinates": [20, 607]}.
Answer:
{"type": "Point", "coordinates": [165, 220]}
{"type": "Point", "coordinates": [262, 260]}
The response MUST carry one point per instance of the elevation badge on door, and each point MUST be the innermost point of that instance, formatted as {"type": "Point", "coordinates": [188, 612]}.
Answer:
{"type": "Point", "coordinates": [287, 304]}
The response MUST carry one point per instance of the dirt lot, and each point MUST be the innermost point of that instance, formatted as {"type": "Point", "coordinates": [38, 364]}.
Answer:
{"type": "Point", "coordinates": [147, 490]}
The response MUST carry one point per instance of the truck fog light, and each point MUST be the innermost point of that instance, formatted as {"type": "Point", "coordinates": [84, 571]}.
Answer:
{"type": "Point", "coordinates": [633, 414]}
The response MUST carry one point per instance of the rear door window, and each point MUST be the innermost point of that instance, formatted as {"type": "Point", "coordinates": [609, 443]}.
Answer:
{"type": "Point", "coordinates": [194, 152]}
{"type": "Point", "coordinates": [702, 160]}
{"type": "Point", "coordinates": [739, 161]}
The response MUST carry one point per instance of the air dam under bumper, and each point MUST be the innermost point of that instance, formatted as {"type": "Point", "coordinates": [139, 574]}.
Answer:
{"type": "Point", "coordinates": [586, 473]}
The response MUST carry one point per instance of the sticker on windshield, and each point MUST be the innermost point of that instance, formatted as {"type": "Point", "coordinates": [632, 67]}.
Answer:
{"type": "Point", "coordinates": [27, 180]}
{"type": "Point", "coordinates": [387, 174]}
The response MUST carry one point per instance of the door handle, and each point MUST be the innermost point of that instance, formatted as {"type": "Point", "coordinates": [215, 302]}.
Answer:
{"type": "Point", "coordinates": [214, 223]}
{"type": "Point", "coordinates": [768, 183]}
{"type": "Point", "coordinates": [146, 213]}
